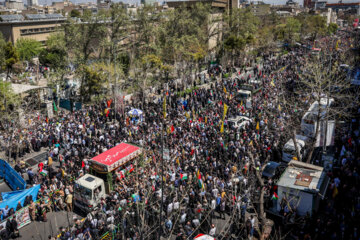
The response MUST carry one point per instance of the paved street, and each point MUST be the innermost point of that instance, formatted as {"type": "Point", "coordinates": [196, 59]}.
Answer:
{"type": "Point", "coordinates": [41, 230]}
{"type": "Point", "coordinates": [4, 187]}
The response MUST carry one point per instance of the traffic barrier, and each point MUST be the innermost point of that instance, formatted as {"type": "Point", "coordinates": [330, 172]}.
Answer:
{"type": "Point", "coordinates": [13, 178]}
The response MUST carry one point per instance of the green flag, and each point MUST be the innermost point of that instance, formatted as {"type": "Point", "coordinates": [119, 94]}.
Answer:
{"type": "Point", "coordinates": [55, 108]}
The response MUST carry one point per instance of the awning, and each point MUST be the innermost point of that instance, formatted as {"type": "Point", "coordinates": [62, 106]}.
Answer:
{"type": "Point", "coordinates": [115, 157]}
{"type": "Point", "coordinates": [203, 237]}
{"type": "Point", "coordinates": [21, 88]}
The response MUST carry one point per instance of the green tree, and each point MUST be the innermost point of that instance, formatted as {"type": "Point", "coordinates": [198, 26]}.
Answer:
{"type": "Point", "coordinates": [28, 48]}
{"type": "Point", "coordinates": [2, 51]}
{"type": "Point", "coordinates": [312, 26]}
{"type": "Point", "coordinates": [92, 81]}
{"type": "Point", "coordinates": [239, 27]}
{"type": "Point", "coordinates": [11, 57]}
{"type": "Point", "coordinates": [234, 45]}
{"type": "Point", "coordinates": [182, 37]}
{"type": "Point", "coordinates": [55, 54]}
{"type": "Point", "coordinates": [332, 28]}
{"type": "Point", "coordinates": [83, 42]}
{"type": "Point", "coordinates": [292, 30]}
{"type": "Point", "coordinates": [75, 13]}
{"type": "Point", "coordinates": [9, 102]}
{"type": "Point", "coordinates": [123, 59]}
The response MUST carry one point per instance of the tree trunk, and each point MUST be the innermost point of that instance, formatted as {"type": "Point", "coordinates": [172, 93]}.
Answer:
{"type": "Point", "coordinates": [297, 150]}
{"type": "Point", "coordinates": [262, 193]}
{"type": "Point", "coordinates": [312, 147]}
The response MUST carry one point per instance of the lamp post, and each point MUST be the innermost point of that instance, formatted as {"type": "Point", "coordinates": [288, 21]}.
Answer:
{"type": "Point", "coordinates": [162, 173]}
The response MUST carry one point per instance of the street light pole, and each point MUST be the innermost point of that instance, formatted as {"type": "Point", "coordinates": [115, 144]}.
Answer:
{"type": "Point", "coordinates": [162, 176]}
{"type": "Point", "coordinates": [115, 87]}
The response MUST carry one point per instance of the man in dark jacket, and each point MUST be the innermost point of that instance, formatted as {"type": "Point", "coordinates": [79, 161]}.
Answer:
{"type": "Point", "coordinates": [4, 234]}
{"type": "Point", "coordinates": [18, 207]}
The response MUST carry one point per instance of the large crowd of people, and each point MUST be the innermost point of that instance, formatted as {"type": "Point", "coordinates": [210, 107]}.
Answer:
{"type": "Point", "coordinates": [210, 174]}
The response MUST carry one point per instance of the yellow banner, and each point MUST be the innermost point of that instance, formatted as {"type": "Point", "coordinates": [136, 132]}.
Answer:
{"type": "Point", "coordinates": [337, 45]}
{"type": "Point", "coordinates": [164, 106]}
{"type": "Point", "coordinates": [225, 110]}
{"type": "Point", "coordinates": [222, 127]}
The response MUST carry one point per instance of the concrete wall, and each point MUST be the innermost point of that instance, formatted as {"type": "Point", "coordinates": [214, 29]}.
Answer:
{"type": "Point", "coordinates": [304, 199]}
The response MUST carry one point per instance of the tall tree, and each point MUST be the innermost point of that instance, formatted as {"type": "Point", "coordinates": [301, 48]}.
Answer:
{"type": "Point", "coordinates": [9, 102]}
{"type": "Point", "coordinates": [11, 58]}
{"type": "Point", "coordinates": [92, 81]}
{"type": "Point", "coordinates": [83, 43]}
{"type": "Point", "coordinates": [239, 27]}
{"type": "Point", "coordinates": [312, 26]}
{"type": "Point", "coordinates": [28, 48]}
{"type": "Point", "coordinates": [2, 52]}
{"type": "Point", "coordinates": [54, 54]}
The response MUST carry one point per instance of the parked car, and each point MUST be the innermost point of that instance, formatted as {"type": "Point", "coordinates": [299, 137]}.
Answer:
{"type": "Point", "coordinates": [273, 170]}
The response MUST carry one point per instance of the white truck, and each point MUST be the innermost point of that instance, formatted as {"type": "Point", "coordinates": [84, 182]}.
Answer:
{"type": "Point", "coordinates": [309, 120]}
{"type": "Point", "coordinates": [245, 97]}
{"type": "Point", "coordinates": [89, 189]}
{"type": "Point", "coordinates": [88, 192]}
{"type": "Point", "coordinates": [289, 149]}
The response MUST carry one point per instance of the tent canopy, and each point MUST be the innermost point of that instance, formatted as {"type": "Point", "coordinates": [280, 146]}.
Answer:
{"type": "Point", "coordinates": [21, 88]}
{"type": "Point", "coordinates": [114, 157]}
{"type": "Point", "coordinates": [204, 237]}
{"type": "Point", "coordinates": [135, 112]}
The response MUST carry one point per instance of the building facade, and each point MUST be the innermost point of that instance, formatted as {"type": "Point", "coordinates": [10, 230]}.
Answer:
{"type": "Point", "coordinates": [31, 3]}
{"type": "Point", "coordinates": [34, 26]}
{"type": "Point", "coordinates": [351, 8]}
{"type": "Point", "coordinates": [14, 4]}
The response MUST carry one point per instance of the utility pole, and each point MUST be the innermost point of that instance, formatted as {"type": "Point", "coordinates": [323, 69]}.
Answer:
{"type": "Point", "coordinates": [115, 87]}
{"type": "Point", "coordinates": [162, 175]}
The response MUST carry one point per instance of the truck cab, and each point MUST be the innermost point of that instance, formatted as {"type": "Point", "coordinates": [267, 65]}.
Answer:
{"type": "Point", "coordinates": [289, 149]}
{"type": "Point", "coordinates": [244, 96]}
{"type": "Point", "coordinates": [88, 192]}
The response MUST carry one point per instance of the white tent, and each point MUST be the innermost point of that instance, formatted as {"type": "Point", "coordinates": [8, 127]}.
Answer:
{"type": "Point", "coordinates": [21, 88]}
{"type": "Point", "coordinates": [204, 237]}
{"type": "Point", "coordinates": [135, 112]}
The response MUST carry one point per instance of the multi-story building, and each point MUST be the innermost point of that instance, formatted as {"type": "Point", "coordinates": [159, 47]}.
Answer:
{"type": "Point", "coordinates": [308, 4]}
{"type": "Point", "coordinates": [31, 3]}
{"type": "Point", "coordinates": [259, 8]}
{"type": "Point", "coordinates": [34, 26]}
{"type": "Point", "coordinates": [148, 2]}
{"type": "Point", "coordinates": [219, 4]}
{"type": "Point", "coordinates": [350, 8]}
{"type": "Point", "coordinates": [14, 4]}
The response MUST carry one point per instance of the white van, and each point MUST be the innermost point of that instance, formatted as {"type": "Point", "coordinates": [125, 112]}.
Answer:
{"type": "Point", "coordinates": [289, 150]}
{"type": "Point", "coordinates": [309, 120]}
{"type": "Point", "coordinates": [88, 192]}
{"type": "Point", "coordinates": [239, 122]}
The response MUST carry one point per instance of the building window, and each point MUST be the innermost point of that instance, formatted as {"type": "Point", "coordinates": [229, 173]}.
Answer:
{"type": "Point", "coordinates": [37, 30]}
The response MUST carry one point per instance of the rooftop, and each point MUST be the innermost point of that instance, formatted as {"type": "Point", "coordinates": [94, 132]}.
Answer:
{"type": "Point", "coordinates": [342, 4]}
{"type": "Point", "coordinates": [30, 17]}
{"type": "Point", "coordinates": [303, 177]}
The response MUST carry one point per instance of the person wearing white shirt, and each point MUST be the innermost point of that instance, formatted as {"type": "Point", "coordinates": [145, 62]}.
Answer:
{"type": "Point", "coordinates": [212, 231]}
{"type": "Point", "coordinates": [170, 208]}
{"type": "Point", "coordinates": [183, 218]}
{"type": "Point", "coordinates": [176, 206]}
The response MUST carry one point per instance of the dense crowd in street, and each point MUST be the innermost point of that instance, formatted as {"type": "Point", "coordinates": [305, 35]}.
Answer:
{"type": "Point", "coordinates": [210, 175]}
